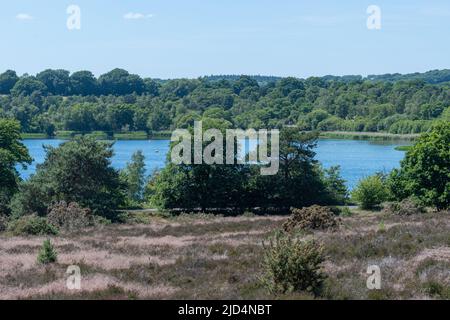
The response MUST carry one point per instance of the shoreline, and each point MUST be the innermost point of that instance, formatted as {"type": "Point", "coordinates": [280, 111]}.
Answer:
{"type": "Point", "coordinates": [165, 135]}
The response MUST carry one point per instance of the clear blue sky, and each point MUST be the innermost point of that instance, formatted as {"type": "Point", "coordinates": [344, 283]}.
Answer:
{"type": "Point", "coordinates": [190, 38]}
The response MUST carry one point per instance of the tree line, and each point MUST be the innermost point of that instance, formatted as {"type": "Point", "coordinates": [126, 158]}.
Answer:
{"type": "Point", "coordinates": [55, 100]}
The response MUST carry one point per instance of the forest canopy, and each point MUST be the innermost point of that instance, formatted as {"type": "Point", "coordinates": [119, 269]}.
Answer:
{"type": "Point", "coordinates": [118, 101]}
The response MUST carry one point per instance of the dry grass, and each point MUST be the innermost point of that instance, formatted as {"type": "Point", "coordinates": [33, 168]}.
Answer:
{"type": "Point", "coordinates": [205, 257]}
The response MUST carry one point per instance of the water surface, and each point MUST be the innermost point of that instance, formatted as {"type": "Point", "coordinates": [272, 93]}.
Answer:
{"type": "Point", "coordinates": [357, 158]}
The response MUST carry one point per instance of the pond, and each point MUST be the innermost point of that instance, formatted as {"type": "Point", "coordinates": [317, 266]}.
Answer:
{"type": "Point", "coordinates": [357, 158]}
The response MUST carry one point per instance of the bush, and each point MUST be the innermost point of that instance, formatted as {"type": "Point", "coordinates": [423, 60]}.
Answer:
{"type": "Point", "coordinates": [405, 207]}
{"type": "Point", "coordinates": [311, 218]}
{"type": "Point", "coordinates": [371, 192]}
{"type": "Point", "coordinates": [293, 265]}
{"type": "Point", "coordinates": [69, 217]}
{"type": "Point", "coordinates": [47, 254]}
{"type": "Point", "coordinates": [31, 225]}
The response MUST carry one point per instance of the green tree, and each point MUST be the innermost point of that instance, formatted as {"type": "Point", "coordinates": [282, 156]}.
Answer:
{"type": "Point", "coordinates": [83, 83]}
{"type": "Point", "coordinates": [56, 81]}
{"type": "Point", "coordinates": [371, 192]}
{"type": "Point", "coordinates": [134, 177]}
{"type": "Point", "coordinates": [12, 153]}
{"type": "Point", "coordinates": [7, 81]}
{"type": "Point", "coordinates": [27, 85]}
{"type": "Point", "coordinates": [77, 171]}
{"type": "Point", "coordinates": [425, 171]}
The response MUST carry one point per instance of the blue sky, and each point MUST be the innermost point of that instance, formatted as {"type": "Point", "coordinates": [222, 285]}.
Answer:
{"type": "Point", "coordinates": [191, 38]}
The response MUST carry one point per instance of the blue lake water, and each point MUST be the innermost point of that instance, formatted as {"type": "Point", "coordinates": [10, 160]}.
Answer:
{"type": "Point", "coordinates": [357, 158]}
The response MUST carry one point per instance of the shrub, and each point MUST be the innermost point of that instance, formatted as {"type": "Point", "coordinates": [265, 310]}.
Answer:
{"type": "Point", "coordinates": [371, 192]}
{"type": "Point", "coordinates": [292, 265]}
{"type": "Point", "coordinates": [70, 216]}
{"type": "Point", "coordinates": [311, 218]}
{"type": "Point", "coordinates": [47, 254]}
{"type": "Point", "coordinates": [31, 225]}
{"type": "Point", "coordinates": [405, 207]}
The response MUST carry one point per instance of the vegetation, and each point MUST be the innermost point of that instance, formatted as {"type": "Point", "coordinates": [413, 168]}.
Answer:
{"type": "Point", "coordinates": [12, 153]}
{"type": "Point", "coordinates": [69, 216]}
{"type": "Point", "coordinates": [311, 218]}
{"type": "Point", "coordinates": [119, 103]}
{"type": "Point", "coordinates": [134, 178]}
{"type": "Point", "coordinates": [31, 225]}
{"type": "Point", "coordinates": [299, 182]}
{"type": "Point", "coordinates": [405, 207]}
{"type": "Point", "coordinates": [425, 171]}
{"type": "Point", "coordinates": [371, 192]}
{"type": "Point", "coordinates": [293, 265]}
{"type": "Point", "coordinates": [47, 254]}
{"type": "Point", "coordinates": [76, 171]}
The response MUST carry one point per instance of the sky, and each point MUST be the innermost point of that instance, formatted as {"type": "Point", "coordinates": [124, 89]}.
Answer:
{"type": "Point", "coordinates": [191, 38]}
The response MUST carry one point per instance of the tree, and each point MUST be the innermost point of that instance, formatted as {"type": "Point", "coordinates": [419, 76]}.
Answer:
{"type": "Point", "coordinates": [56, 81]}
{"type": "Point", "coordinates": [335, 185]}
{"type": "Point", "coordinates": [7, 81]}
{"type": "Point", "coordinates": [425, 171]}
{"type": "Point", "coordinates": [83, 83]}
{"type": "Point", "coordinates": [371, 192]}
{"type": "Point", "coordinates": [134, 177]}
{"type": "Point", "coordinates": [200, 186]}
{"type": "Point", "coordinates": [120, 82]}
{"type": "Point", "coordinates": [27, 85]}
{"type": "Point", "coordinates": [76, 171]}
{"type": "Point", "coordinates": [299, 182]}
{"type": "Point", "coordinates": [12, 153]}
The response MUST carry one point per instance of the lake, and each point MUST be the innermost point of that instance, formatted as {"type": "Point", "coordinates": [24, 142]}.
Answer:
{"type": "Point", "coordinates": [357, 158]}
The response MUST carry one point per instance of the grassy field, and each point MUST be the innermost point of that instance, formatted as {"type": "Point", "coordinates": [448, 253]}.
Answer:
{"type": "Point", "coordinates": [212, 257]}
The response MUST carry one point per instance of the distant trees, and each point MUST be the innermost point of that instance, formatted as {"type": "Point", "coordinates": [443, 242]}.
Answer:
{"type": "Point", "coordinates": [56, 81]}
{"type": "Point", "coordinates": [7, 81]}
{"type": "Point", "coordinates": [425, 171]}
{"type": "Point", "coordinates": [28, 85]}
{"type": "Point", "coordinates": [12, 153]}
{"type": "Point", "coordinates": [327, 103]}
{"type": "Point", "coordinates": [120, 82]}
{"type": "Point", "coordinates": [83, 83]}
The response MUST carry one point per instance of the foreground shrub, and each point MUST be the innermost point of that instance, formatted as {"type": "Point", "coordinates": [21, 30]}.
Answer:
{"type": "Point", "coordinates": [371, 192]}
{"type": "Point", "coordinates": [406, 207]}
{"type": "Point", "coordinates": [293, 265]}
{"type": "Point", "coordinates": [31, 225]}
{"type": "Point", "coordinates": [69, 217]}
{"type": "Point", "coordinates": [311, 218]}
{"type": "Point", "coordinates": [47, 254]}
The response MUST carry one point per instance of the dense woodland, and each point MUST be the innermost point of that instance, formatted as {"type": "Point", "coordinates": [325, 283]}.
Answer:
{"type": "Point", "coordinates": [55, 101]}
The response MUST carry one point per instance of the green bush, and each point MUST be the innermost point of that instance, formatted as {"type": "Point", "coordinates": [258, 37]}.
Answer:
{"type": "Point", "coordinates": [31, 225]}
{"type": "Point", "coordinates": [312, 218]}
{"type": "Point", "coordinates": [293, 265]}
{"type": "Point", "coordinates": [69, 217]}
{"type": "Point", "coordinates": [371, 192]}
{"type": "Point", "coordinates": [47, 254]}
